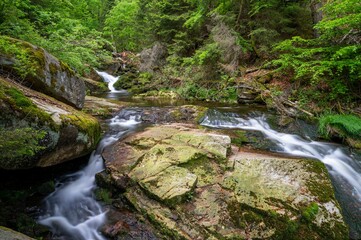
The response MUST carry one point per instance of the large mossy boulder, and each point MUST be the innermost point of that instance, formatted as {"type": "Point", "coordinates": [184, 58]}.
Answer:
{"type": "Point", "coordinates": [192, 184]}
{"type": "Point", "coordinates": [39, 131]}
{"type": "Point", "coordinates": [41, 71]}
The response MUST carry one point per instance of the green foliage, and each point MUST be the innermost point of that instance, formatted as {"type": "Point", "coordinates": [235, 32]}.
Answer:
{"type": "Point", "coordinates": [20, 142]}
{"type": "Point", "coordinates": [192, 91]}
{"type": "Point", "coordinates": [350, 125]}
{"type": "Point", "coordinates": [67, 29]}
{"type": "Point", "coordinates": [208, 54]}
{"type": "Point", "coordinates": [121, 25]}
{"type": "Point", "coordinates": [331, 63]}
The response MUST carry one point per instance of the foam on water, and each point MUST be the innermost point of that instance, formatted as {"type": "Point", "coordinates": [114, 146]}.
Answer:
{"type": "Point", "coordinates": [71, 212]}
{"type": "Point", "coordinates": [339, 163]}
{"type": "Point", "coordinates": [110, 80]}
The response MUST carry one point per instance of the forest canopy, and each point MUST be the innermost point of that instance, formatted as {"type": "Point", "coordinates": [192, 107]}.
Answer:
{"type": "Point", "coordinates": [314, 44]}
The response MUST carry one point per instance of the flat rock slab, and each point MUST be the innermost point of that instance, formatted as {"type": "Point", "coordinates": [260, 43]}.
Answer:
{"type": "Point", "coordinates": [192, 184]}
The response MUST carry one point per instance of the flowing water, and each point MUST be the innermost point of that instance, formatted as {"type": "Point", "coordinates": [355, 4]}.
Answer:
{"type": "Point", "coordinates": [72, 212]}
{"type": "Point", "coordinates": [110, 80]}
{"type": "Point", "coordinates": [342, 165]}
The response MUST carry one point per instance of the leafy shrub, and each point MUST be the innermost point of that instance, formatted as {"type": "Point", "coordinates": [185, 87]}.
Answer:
{"type": "Point", "coordinates": [206, 55]}
{"type": "Point", "coordinates": [192, 91]}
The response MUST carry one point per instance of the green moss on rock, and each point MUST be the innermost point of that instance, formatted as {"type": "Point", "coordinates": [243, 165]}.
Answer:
{"type": "Point", "coordinates": [41, 71]}
{"type": "Point", "coordinates": [35, 127]}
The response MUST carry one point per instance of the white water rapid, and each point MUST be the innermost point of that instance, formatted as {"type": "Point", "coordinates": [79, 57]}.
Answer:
{"type": "Point", "coordinates": [71, 212]}
{"type": "Point", "coordinates": [333, 156]}
{"type": "Point", "coordinates": [110, 80]}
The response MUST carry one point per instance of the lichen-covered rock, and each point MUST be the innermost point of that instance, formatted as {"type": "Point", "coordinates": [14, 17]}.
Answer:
{"type": "Point", "coordinates": [93, 86]}
{"type": "Point", "coordinates": [191, 185]}
{"type": "Point", "coordinates": [8, 234]}
{"type": "Point", "coordinates": [101, 107]}
{"type": "Point", "coordinates": [37, 130]}
{"type": "Point", "coordinates": [42, 72]}
{"type": "Point", "coordinates": [184, 114]}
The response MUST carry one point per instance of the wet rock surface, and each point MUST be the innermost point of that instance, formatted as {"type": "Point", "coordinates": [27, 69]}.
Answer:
{"type": "Point", "coordinates": [100, 107]}
{"type": "Point", "coordinates": [193, 184]}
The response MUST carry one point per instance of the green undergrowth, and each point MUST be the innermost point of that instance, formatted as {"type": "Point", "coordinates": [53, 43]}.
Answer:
{"type": "Point", "coordinates": [349, 125]}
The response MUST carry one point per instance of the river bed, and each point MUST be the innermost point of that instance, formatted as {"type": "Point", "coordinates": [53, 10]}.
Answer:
{"type": "Point", "coordinates": [71, 211]}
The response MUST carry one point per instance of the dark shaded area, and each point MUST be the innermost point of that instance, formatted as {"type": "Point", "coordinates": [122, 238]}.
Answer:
{"type": "Point", "coordinates": [22, 192]}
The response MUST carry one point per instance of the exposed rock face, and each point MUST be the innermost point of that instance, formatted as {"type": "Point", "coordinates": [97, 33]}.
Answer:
{"type": "Point", "coordinates": [8, 234]}
{"type": "Point", "coordinates": [50, 76]}
{"type": "Point", "coordinates": [248, 94]}
{"type": "Point", "coordinates": [153, 58]}
{"type": "Point", "coordinates": [37, 130]}
{"type": "Point", "coordinates": [185, 113]}
{"type": "Point", "coordinates": [101, 107]}
{"type": "Point", "coordinates": [192, 184]}
{"type": "Point", "coordinates": [95, 86]}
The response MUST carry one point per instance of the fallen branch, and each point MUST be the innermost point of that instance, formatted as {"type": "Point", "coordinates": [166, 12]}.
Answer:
{"type": "Point", "coordinates": [292, 104]}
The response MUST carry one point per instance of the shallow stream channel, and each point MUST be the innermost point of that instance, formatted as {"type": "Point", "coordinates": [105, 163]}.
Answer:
{"type": "Point", "coordinates": [72, 211]}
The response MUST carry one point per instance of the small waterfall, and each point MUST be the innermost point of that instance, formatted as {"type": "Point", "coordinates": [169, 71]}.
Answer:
{"type": "Point", "coordinates": [344, 169]}
{"type": "Point", "coordinates": [333, 156]}
{"type": "Point", "coordinates": [71, 212]}
{"type": "Point", "coordinates": [109, 79]}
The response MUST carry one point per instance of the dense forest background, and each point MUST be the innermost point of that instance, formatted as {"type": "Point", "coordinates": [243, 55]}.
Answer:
{"type": "Point", "coordinates": [311, 47]}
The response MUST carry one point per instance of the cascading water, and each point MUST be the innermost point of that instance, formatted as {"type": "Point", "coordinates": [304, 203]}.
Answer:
{"type": "Point", "coordinates": [71, 212]}
{"type": "Point", "coordinates": [110, 80]}
{"type": "Point", "coordinates": [344, 169]}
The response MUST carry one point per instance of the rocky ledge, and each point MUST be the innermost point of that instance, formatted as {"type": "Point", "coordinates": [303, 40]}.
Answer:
{"type": "Point", "coordinates": [193, 184]}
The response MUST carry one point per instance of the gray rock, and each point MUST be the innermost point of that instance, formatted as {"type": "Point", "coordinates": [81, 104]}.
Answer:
{"type": "Point", "coordinates": [153, 58]}
{"type": "Point", "coordinates": [8, 234]}
{"type": "Point", "coordinates": [51, 76]}
{"type": "Point", "coordinates": [191, 185]}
